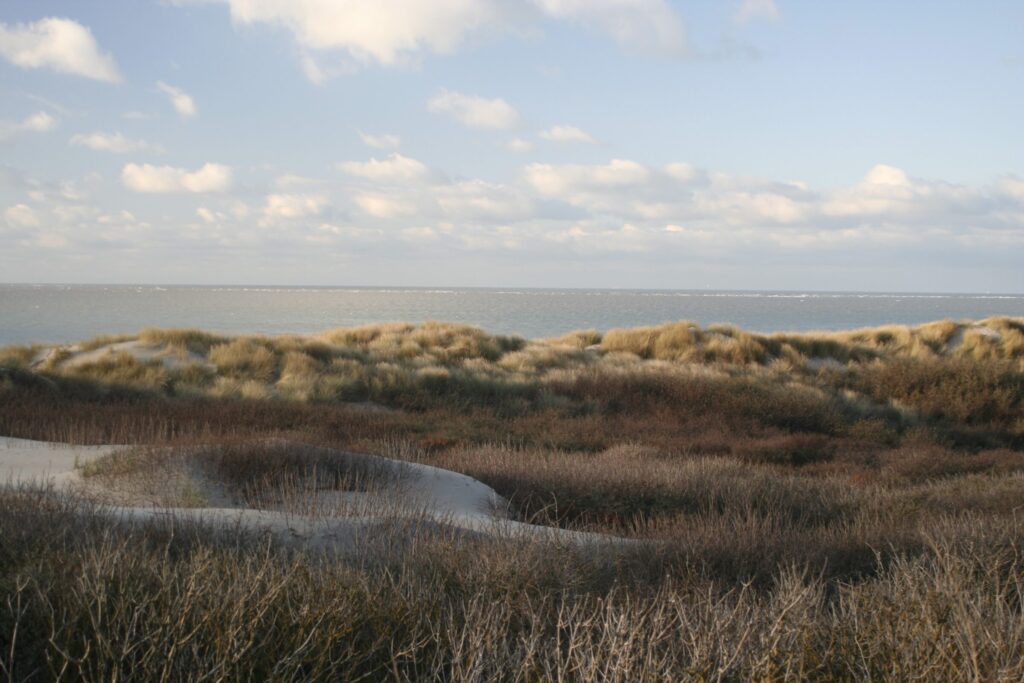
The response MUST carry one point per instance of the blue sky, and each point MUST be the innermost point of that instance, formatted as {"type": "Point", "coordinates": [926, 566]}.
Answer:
{"type": "Point", "coordinates": [748, 144]}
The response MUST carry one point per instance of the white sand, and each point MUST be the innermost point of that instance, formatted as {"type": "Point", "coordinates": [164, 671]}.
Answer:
{"type": "Point", "coordinates": [420, 493]}
{"type": "Point", "coordinates": [24, 460]}
{"type": "Point", "coordinates": [172, 359]}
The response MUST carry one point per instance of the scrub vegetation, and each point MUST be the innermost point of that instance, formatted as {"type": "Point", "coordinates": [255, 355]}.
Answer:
{"type": "Point", "coordinates": [819, 506]}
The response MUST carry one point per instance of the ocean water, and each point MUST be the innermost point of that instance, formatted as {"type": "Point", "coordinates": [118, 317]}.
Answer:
{"type": "Point", "coordinates": [62, 313]}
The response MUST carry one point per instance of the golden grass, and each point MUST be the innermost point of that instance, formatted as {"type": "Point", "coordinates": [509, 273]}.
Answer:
{"type": "Point", "coordinates": [122, 369]}
{"type": "Point", "coordinates": [245, 358]}
{"type": "Point", "coordinates": [18, 357]}
{"type": "Point", "coordinates": [968, 372]}
{"type": "Point", "coordinates": [579, 339]}
{"type": "Point", "coordinates": [104, 340]}
{"type": "Point", "coordinates": [190, 340]}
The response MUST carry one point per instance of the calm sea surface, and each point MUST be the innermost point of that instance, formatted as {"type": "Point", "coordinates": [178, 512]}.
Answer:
{"type": "Point", "coordinates": [61, 313]}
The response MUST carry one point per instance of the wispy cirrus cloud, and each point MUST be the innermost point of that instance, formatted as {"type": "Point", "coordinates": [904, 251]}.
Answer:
{"type": "Point", "coordinates": [179, 99]}
{"type": "Point", "coordinates": [115, 143]}
{"type": "Point", "coordinates": [40, 122]}
{"type": "Point", "coordinates": [570, 134]}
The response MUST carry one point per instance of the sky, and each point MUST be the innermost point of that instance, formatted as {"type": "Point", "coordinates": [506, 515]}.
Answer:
{"type": "Point", "coordinates": [722, 144]}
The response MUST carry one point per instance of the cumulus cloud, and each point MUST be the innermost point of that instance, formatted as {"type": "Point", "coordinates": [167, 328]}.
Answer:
{"type": "Point", "coordinates": [750, 10]}
{"type": "Point", "coordinates": [179, 99]}
{"type": "Point", "coordinates": [390, 32]}
{"type": "Point", "coordinates": [294, 205]}
{"type": "Point", "coordinates": [888, 206]}
{"type": "Point", "coordinates": [62, 45]}
{"type": "Point", "coordinates": [886, 190]}
{"type": "Point", "coordinates": [383, 205]}
{"type": "Point", "coordinates": [167, 179]}
{"type": "Point", "coordinates": [395, 169]}
{"type": "Point", "coordinates": [474, 111]}
{"type": "Point", "coordinates": [40, 122]}
{"type": "Point", "coordinates": [567, 134]}
{"type": "Point", "coordinates": [382, 141]}
{"type": "Point", "coordinates": [115, 143]}
{"type": "Point", "coordinates": [637, 213]}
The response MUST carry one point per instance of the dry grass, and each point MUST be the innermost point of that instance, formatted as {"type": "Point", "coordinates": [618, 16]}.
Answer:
{"type": "Point", "coordinates": [245, 358]}
{"type": "Point", "coordinates": [252, 474]}
{"type": "Point", "coordinates": [104, 340]}
{"type": "Point", "coordinates": [122, 369]}
{"type": "Point", "coordinates": [17, 357]}
{"type": "Point", "coordinates": [190, 340]}
{"type": "Point", "coordinates": [835, 506]}
{"type": "Point", "coordinates": [88, 601]}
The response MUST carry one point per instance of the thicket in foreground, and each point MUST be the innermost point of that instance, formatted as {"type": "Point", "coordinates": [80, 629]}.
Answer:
{"type": "Point", "coordinates": [85, 600]}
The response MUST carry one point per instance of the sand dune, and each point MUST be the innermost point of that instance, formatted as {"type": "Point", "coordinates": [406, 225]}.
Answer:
{"type": "Point", "coordinates": [419, 497]}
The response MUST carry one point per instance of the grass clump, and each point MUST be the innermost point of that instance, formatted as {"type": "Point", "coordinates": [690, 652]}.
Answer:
{"type": "Point", "coordinates": [444, 343]}
{"type": "Point", "coordinates": [245, 359]}
{"type": "Point", "coordinates": [17, 357]}
{"type": "Point", "coordinates": [123, 369]}
{"type": "Point", "coordinates": [183, 339]}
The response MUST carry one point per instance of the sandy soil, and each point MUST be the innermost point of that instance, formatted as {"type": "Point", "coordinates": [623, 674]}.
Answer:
{"type": "Point", "coordinates": [172, 359]}
{"type": "Point", "coordinates": [421, 495]}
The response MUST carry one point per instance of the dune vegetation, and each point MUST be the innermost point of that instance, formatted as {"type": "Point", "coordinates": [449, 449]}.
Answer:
{"type": "Point", "coordinates": [814, 506]}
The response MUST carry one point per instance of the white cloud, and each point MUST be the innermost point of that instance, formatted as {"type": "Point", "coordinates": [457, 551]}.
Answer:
{"type": "Point", "coordinates": [477, 200]}
{"type": "Point", "coordinates": [394, 169]}
{"type": "Point", "coordinates": [180, 100]}
{"type": "Point", "coordinates": [884, 190]}
{"type": "Point", "coordinates": [40, 122]}
{"type": "Point", "coordinates": [294, 205]}
{"type": "Point", "coordinates": [167, 179]}
{"type": "Point", "coordinates": [662, 213]}
{"type": "Point", "coordinates": [519, 145]}
{"type": "Point", "coordinates": [60, 44]}
{"type": "Point", "coordinates": [569, 180]}
{"type": "Point", "coordinates": [391, 32]}
{"type": "Point", "coordinates": [567, 134]}
{"type": "Point", "coordinates": [115, 143]}
{"type": "Point", "coordinates": [382, 141]}
{"type": "Point", "coordinates": [474, 111]}
{"type": "Point", "coordinates": [1012, 186]}
{"type": "Point", "coordinates": [682, 171]}
{"type": "Point", "coordinates": [382, 31]}
{"type": "Point", "coordinates": [750, 10]}
{"type": "Point", "coordinates": [384, 206]}
{"type": "Point", "coordinates": [21, 215]}
{"type": "Point", "coordinates": [650, 26]}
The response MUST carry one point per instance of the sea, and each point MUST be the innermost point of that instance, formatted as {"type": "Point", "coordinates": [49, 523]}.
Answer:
{"type": "Point", "coordinates": [66, 313]}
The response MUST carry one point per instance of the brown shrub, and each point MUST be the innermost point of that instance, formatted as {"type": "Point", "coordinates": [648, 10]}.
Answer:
{"type": "Point", "coordinates": [789, 449]}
